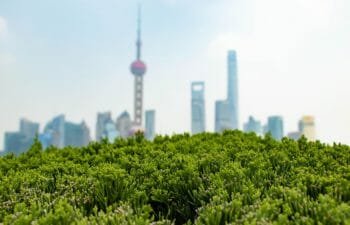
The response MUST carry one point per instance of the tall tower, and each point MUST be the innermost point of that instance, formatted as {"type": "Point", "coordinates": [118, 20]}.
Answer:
{"type": "Point", "coordinates": [232, 89]}
{"type": "Point", "coordinates": [198, 107]}
{"type": "Point", "coordinates": [138, 69]}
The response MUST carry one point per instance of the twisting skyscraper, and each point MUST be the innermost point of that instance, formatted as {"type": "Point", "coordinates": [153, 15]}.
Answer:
{"type": "Point", "coordinates": [138, 69]}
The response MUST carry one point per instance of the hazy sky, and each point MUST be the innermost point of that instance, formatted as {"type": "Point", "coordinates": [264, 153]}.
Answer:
{"type": "Point", "coordinates": [73, 57]}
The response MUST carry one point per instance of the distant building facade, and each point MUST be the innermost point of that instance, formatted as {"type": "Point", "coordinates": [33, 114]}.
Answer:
{"type": "Point", "coordinates": [294, 135]}
{"type": "Point", "coordinates": [21, 141]}
{"type": "Point", "coordinates": [105, 127]}
{"type": "Point", "coordinates": [124, 125]}
{"type": "Point", "coordinates": [307, 127]}
{"type": "Point", "coordinates": [253, 126]}
{"type": "Point", "coordinates": [110, 131]}
{"type": "Point", "coordinates": [15, 142]}
{"type": "Point", "coordinates": [197, 107]}
{"type": "Point", "coordinates": [275, 127]}
{"type": "Point", "coordinates": [232, 88]}
{"type": "Point", "coordinates": [226, 111]}
{"type": "Point", "coordinates": [61, 133]}
{"type": "Point", "coordinates": [76, 135]}
{"type": "Point", "coordinates": [28, 128]}
{"type": "Point", "coordinates": [150, 124]}
{"type": "Point", "coordinates": [54, 133]}
{"type": "Point", "coordinates": [222, 116]}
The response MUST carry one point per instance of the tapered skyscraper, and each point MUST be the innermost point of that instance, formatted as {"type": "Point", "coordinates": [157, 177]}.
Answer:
{"type": "Point", "coordinates": [226, 111]}
{"type": "Point", "coordinates": [232, 89]}
{"type": "Point", "coordinates": [138, 69]}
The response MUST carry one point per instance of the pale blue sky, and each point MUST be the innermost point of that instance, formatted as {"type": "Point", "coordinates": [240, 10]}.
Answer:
{"type": "Point", "coordinates": [73, 57]}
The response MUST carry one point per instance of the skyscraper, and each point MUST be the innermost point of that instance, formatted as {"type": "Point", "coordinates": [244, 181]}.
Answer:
{"type": "Point", "coordinates": [275, 127]}
{"type": "Point", "coordinates": [76, 135]}
{"type": "Point", "coordinates": [307, 127]}
{"type": "Point", "coordinates": [138, 69]}
{"type": "Point", "coordinates": [28, 128]}
{"type": "Point", "coordinates": [124, 125]}
{"type": "Point", "coordinates": [222, 116]}
{"type": "Point", "coordinates": [226, 111]}
{"type": "Point", "coordinates": [198, 107]}
{"type": "Point", "coordinates": [253, 126]}
{"type": "Point", "coordinates": [150, 124]}
{"type": "Point", "coordinates": [18, 142]}
{"type": "Point", "coordinates": [110, 131]}
{"type": "Point", "coordinates": [232, 88]}
{"type": "Point", "coordinates": [15, 142]}
{"type": "Point", "coordinates": [103, 119]}
{"type": "Point", "coordinates": [54, 132]}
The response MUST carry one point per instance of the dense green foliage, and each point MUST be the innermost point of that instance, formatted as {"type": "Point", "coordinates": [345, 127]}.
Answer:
{"type": "Point", "coordinates": [229, 178]}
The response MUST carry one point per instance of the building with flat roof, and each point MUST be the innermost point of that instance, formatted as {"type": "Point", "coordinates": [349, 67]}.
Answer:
{"type": "Point", "coordinates": [307, 127]}
{"type": "Point", "coordinates": [150, 124]}
{"type": "Point", "coordinates": [197, 107]}
{"type": "Point", "coordinates": [275, 127]}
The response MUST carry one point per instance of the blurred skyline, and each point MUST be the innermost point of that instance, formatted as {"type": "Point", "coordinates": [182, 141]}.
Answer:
{"type": "Point", "coordinates": [73, 57]}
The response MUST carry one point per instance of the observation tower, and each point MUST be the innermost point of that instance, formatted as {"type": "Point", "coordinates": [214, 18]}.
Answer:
{"type": "Point", "coordinates": [138, 69]}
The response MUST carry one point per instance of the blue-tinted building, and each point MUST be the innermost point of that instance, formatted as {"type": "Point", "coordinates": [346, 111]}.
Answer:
{"type": "Point", "coordinates": [222, 116]}
{"type": "Point", "coordinates": [104, 120]}
{"type": "Point", "coordinates": [232, 88]}
{"type": "Point", "coordinates": [198, 107]}
{"type": "Point", "coordinates": [226, 111]}
{"type": "Point", "coordinates": [54, 132]}
{"type": "Point", "coordinates": [110, 131]}
{"type": "Point", "coordinates": [275, 127]}
{"type": "Point", "coordinates": [28, 128]}
{"type": "Point", "coordinates": [15, 142]}
{"type": "Point", "coordinates": [150, 124]}
{"type": "Point", "coordinates": [76, 135]}
{"type": "Point", "coordinates": [18, 142]}
{"type": "Point", "coordinates": [253, 126]}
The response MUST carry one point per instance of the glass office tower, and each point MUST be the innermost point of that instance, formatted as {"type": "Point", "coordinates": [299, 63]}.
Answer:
{"type": "Point", "coordinates": [198, 107]}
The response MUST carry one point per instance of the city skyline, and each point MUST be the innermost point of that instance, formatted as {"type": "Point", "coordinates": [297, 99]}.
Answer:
{"type": "Point", "coordinates": [51, 61]}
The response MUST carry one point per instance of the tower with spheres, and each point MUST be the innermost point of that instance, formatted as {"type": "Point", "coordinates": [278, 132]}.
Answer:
{"type": "Point", "coordinates": [138, 69]}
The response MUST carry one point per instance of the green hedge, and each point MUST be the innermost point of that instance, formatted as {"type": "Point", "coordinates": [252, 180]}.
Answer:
{"type": "Point", "coordinates": [229, 178]}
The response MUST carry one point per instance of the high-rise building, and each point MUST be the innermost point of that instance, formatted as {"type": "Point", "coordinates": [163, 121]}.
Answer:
{"type": "Point", "coordinates": [76, 135]}
{"type": "Point", "coordinates": [150, 124]}
{"type": "Point", "coordinates": [275, 127]}
{"type": "Point", "coordinates": [226, 111]}
{"type": "Point", "coordinates": [253, 126]}
{"type": "Point", "coordinates": [124, 125]}
{"type": "Point", "coordinates": [222, 116]}
{"type": "Point", "coordinates": [232, 88]}
{"type": "Point", "coordinates": [111, 132]}
{"type": "Point", "coordinates": [15, 142]}
{"type": "Point", "coordinates": [103, 119]}
{"type": "Point", "coordinates": [138, 69]}
{"type": "Point", "coordinates": [18, 142]}
{"type": "Point", "coordinates": [28, 128]}
{"type": "Point", "coordinates": [54, 133]}
{"type": "Point", "coordinates": [307, 127]}
{"type": "Point", "coordinates": [294, 135]}
{"type": "Point", "coordinates": [198, 107]}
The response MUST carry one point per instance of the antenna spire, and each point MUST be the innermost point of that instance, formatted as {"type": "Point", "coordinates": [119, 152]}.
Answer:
{"type": "Point", "coordinates": [139, 42]}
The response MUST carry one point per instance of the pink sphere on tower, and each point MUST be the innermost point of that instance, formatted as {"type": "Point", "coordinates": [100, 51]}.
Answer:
{"type": "Point", "coordinates": [138, 68]}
